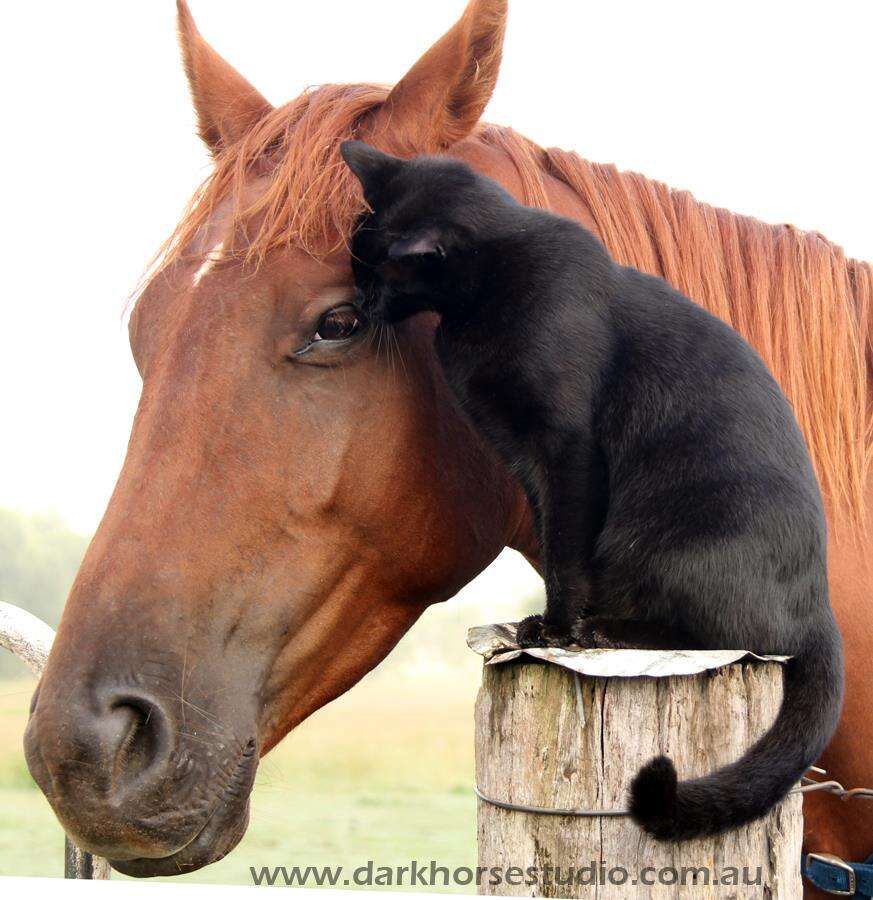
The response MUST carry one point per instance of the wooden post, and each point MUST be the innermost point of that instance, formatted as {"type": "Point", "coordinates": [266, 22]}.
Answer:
{"type": "Point", "coordinates": [548, 737]}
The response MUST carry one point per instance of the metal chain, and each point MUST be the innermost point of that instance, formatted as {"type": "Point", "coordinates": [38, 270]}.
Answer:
{"type": "Point", "coordinates": [810, 786]}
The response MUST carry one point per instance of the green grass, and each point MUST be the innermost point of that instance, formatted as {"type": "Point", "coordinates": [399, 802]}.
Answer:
{"type": "Point", "coordinates": [384, 773]}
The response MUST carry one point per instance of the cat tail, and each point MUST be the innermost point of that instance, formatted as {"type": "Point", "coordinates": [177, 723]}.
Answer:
{"type": "Point", "coordinates": [738, 793]}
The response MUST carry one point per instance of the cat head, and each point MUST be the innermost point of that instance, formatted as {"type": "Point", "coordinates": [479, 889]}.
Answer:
{"type": "Point", "coordinates": [429, 217]}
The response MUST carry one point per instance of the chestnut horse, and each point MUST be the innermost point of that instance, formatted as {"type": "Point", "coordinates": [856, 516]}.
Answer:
{"type": "Point", "coordinates": [283, 517]}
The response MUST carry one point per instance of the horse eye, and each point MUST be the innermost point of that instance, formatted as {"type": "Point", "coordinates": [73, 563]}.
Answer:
{"type": "Point", "coordinates": [338, 324]}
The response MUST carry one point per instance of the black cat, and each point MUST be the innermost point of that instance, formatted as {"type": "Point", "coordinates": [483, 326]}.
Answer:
{"type": "Point", "coordinates": [673, 493]}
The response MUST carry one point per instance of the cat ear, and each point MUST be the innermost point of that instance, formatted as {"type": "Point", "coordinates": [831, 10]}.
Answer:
{"type": "Point", "coordinates": [371, 167]}
{"type": "Point", "coordinates": [424, 245]}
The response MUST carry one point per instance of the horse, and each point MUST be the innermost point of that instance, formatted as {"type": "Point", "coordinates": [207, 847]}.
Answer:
{"type": "Point", "coordinates": [298, 488]}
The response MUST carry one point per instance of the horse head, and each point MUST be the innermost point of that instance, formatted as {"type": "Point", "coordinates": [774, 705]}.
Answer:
{"type": "Point", "coordinates": [297, 488]}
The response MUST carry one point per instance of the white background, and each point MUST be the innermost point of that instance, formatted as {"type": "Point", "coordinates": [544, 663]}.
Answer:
{"type": "Point", "coordinates": [39, 888]}
{"type": "Point", "coordinates": [763, 107]}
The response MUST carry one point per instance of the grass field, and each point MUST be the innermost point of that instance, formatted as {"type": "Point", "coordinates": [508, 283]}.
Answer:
{"type": "Point", "coordinates": [384, 774]}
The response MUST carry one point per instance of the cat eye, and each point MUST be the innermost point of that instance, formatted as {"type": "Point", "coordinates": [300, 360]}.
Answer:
{"type": "Point", "coordinates": [338, 324]}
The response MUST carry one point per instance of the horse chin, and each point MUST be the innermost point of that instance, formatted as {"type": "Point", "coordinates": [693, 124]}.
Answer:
{"type": "Point", "coordinates": [221, 832]}
{"type": "Point", "coordinates": [219, 836]}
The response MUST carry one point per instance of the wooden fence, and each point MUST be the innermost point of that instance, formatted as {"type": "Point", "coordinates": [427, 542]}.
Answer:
{"type": "Point", "coordinates": [30, 639]}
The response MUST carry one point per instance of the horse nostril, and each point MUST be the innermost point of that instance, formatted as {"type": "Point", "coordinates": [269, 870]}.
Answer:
{"type": "Point", "coordinates": [136, 736]}
{"type": "Point", "coordinates": [105, 758]}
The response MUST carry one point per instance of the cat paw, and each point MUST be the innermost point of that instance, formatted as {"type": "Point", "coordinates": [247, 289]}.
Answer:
{"type": "Point", "coordinates": [594, 633]}
{"type": "Point", "coordinates": [584, 635]}
{"type": "Point", "coordinates": [534, 631]}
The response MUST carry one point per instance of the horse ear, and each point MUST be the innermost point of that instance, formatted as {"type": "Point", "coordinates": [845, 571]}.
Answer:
{"type": "Point", "coordinates": [227, 105]}
{"type": "Point", "coordinates": [442, 97]}
{"type": "Point", "coordinates": [370, 166]}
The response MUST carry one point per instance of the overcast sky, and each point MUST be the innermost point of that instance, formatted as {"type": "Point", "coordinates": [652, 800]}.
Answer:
{"type": "Point", "coordinates": [760, 107]}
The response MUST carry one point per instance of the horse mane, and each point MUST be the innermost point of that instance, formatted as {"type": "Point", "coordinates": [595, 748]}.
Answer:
{"type": "Point", "coordinates": [792, 294]}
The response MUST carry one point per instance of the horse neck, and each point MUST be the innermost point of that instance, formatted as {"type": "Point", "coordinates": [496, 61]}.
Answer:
{"type": "Point", "coordinates": [792, 294]}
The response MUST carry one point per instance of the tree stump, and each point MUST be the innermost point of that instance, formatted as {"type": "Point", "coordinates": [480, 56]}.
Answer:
{"type": "Point", "coordinates": [548, 737]}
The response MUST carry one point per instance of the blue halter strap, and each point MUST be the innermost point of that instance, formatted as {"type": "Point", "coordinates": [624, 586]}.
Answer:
{"type": "Point", "coordinates": [842, 879]}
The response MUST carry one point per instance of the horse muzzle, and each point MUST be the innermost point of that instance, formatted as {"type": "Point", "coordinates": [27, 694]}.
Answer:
{"type": "Point", "coordinates": [157, 783]}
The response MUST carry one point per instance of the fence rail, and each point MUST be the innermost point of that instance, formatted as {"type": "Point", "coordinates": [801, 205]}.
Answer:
{"type": "Point", "coordinates": [30, 639]}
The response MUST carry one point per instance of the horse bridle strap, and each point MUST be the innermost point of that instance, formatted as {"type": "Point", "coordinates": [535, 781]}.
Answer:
{"type": "Point", "coordinates": [834, 875]}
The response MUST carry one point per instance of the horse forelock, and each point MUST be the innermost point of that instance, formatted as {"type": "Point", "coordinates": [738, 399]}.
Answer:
{"type": "Point", "coordinates": [792, 294]}
{"type": "Point", "coordinates": [310, 199]}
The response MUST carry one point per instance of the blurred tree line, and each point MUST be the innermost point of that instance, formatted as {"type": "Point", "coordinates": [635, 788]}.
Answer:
{"type": "Point", "coordinates": [39, 556]}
